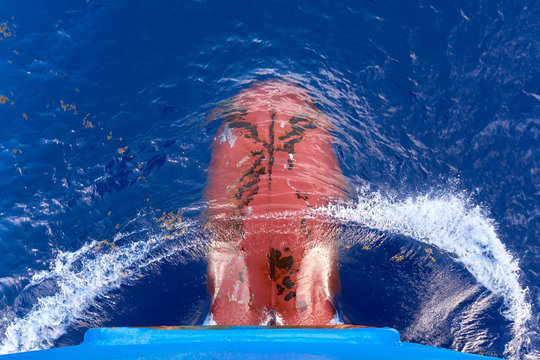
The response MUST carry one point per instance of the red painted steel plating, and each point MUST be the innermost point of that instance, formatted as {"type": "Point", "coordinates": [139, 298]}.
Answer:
{"type": "Point", "coordinates": [271, 262]}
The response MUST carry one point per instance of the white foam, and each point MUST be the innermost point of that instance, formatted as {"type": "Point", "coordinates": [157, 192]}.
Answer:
{"type": "Point", "coordinates": [449, 222]}
{"type": "Point", "coordinates": [81, 277]}
{"type": "Point", "coordinates": [453, 224]}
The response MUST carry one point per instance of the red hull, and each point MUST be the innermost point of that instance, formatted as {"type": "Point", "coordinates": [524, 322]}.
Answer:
{"type": "Point", "coordinates": [272, 160]}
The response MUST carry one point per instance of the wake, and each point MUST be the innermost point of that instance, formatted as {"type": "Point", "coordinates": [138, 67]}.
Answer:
{"type": "Point", "coordinates": [90, 272]}
{"type": "Point", "coordinates": [450, 223]}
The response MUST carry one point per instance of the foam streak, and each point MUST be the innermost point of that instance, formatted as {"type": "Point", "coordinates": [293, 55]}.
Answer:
{"type": "Point", "coordinates": [451, 224]}
{"type": "Point", "coordinates": [81, 277]}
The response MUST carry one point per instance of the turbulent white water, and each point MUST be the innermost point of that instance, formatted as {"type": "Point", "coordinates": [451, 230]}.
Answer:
{"type": "Point", "coordinates": [82, 276]}
{"type": "Point", "coordinates": [451, 224]}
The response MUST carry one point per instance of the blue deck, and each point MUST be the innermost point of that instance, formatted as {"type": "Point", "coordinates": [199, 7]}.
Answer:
{"type": "Point", "coordinates": [245, 343]}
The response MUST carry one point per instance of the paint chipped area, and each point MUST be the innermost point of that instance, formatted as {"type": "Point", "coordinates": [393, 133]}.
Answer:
{"type": "Point", "coordinates": [228, 135]}
{"type": "Point", "coordinates": [268, 135]}
{"type": "Point", "coordinates": [288, 273]}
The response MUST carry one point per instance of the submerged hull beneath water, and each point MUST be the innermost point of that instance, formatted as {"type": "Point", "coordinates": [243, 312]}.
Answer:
{"type": "Point", "coordinates": [272, 262]}
{"type": "Point", "coordinates": [246, 342]}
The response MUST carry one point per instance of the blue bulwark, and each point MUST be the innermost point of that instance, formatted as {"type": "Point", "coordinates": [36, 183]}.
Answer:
{"type": "Point", "coordinates": [241, 342]}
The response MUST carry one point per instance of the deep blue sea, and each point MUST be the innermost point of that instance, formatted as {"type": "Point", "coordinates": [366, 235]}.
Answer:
{"type": "Point", "coordinates": [105, 146]}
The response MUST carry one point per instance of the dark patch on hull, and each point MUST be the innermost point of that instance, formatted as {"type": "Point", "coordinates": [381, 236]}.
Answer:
{"type": "Point", "coordinates": [290, 295]}
{"type": "Point", "coordinates": [276, 262]}
{"type": "Point", "coordinates": [299, 124]}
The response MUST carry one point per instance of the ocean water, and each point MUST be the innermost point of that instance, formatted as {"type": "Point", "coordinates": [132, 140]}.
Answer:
{"type": "Point", "coordinates": [105, 145]}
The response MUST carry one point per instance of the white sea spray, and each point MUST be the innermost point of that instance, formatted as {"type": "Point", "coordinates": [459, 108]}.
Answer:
{"type": "Point", "coordinates": [84, 275]}
{"type": "Point", "coordinates": [453, 224]}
